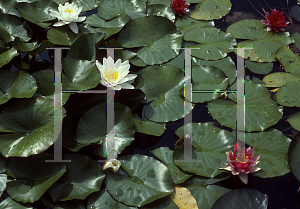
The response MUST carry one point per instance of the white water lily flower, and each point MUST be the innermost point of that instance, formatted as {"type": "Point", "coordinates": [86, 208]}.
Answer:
{"type": "Point", "coordinates": [115, 75]}
{"type": "Point", "coordinates": [111, 165]}
{"type": "Point", "coordinates": [68, 14]}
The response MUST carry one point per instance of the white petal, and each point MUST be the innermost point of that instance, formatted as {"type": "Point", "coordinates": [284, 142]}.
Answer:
{"type": "Point", "coordinates": [117, 87]}
{"type": "Point", "coordinates": [118, 63]}
{"type": "Point", "coordinates": [102, 82]}
{"type": "Point", "coordinates": [244, 177]}
{"type": "Point", "coordinates": [269, 28]}
{"type": "Point", "coordinates": [60, 23]}
{"type": "Point", "coordinates": [73, 26]}
{"type": "Point", "coordinates": [80, 19]}
{"type": "Point", "coordinates": [56, 14]}
{"type": "Point", "coordinates": [127, 78]}
{"type": "Point", "coordinates": [110, 63]}
{"type": "Point", "coordinates": [126, 86]}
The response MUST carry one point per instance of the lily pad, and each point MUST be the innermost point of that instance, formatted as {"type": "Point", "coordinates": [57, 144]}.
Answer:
{"type": "Point", "coordinates": [279, 79]}
{"type": "Point", "coordinates": [214, 43]}
{"type": "Point", "coordinates": [164, 95]}
{"type": "Point", "coordinates": [210, 10]}
{"type": "Point", "coordinates": [264, 44]}
{"type": "Point", "coordinates": [272, 146]}
{"type": "Point", "coordinates": [83, 177]}
{"type": "Point", "coordinates": [16, 84]}
{"type": "Point", "coordinates": [204, 191]}
{"type": "Point", "coordinates": [32, 123]}
{"type": "Point", "coordinates": [289, 60]}
{"type": "Point", "coordinates": [148, 180]}
{"type": "Point", "coordinates": [166, 155]}
{"type": "Point", "coordinates": [24, 47]}
{"type": "Point", "coordinates": [92, 127]}
{"type": "Point", "coordinates": [209, 146]}
{"type": "Point", "coordinates": [7, 56]}
{"type": "Point", "coordinates": [38, 12]}
{"type": "Point", "coordinates": [183, 198]}
{"type": "Point", "coordinates": [161, 10]}
{"type": "Point", "coordinates": [12, 27]}
{"type": "Point", "coordinates": [96, 21]}
{"type": "Point", "coordinates": [9, 203]}
{"type": "Point", "coordinates": [209, 78]}
{"type": "Point", "coordinates": [184, 23]}
{"type": "Point", "coordinates": [29, 186]}
{"type": "Point", "coordinates": [261, 111]}
{"type": "Point", "coordinates": [293, 155]}
{"type": "Point", "coordinates": [162, 203]}
{"type": "Point", "coordinates": [8, 7]}
{"type": "Point", "coordinates": [245, 198]}
{"type": "Point", "coordinates": [149, 127]}
{"type": "Point", "coordinates": [296, 36]}
{"type": "Point", "coordinates": [62, 36]}
{"type": "Point", "coordinates": [86, 4]}
{"type": "Point", "coordinates": [294, 121]}
{"type": "Point", "coordinates": [96, 201]}
{"type": "Point", "coordinates": [143, 31]}
{"type": "Point", "coordinates": [259, 67]}
{"type": "Point", "coordinates": [3, 181]}
{"type": "Point", "coordinates": [289, 94]}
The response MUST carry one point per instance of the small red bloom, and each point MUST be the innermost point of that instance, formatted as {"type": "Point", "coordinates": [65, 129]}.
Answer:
{"type": "Point", "coordinates": [179, 6]}
{"type": "Point", "coordinates": [241, 162]}
{"type": "Point", "coordinates": [275, 21]}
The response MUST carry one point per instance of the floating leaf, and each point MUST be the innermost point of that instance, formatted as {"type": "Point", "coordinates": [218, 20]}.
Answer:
{"type": "Point", "coordinates": [150, 127]}
{"type": "Point", "coordinates": [3, 181]}
{"type": "Point", "coordinates": [96, 21]}
{"type": "Point", "coordinates": [279, 79]}
{"type": "Point", "coordinates": [264, 43]}
{"type": "Point", "coordinates": [294, 121]}
{"type": "Point", "coordinates": [29, 186]}
{"type": "Point", "coordinates": [293, 155]}
{"type": "Point", "coordinates": [184, 23]}
{"type": "Point", "coordinates": [83, 177]}
{"type": "Point", "coordinates": [261, 111]}
{"type": "Point", "coordinates": [289, 94]}
{"type": "Point", "coordinates": [7, 56]}
{"type": "Point", "coordinates": [245, 198]}
{"type": "Point", "coordinates": [259, 67]}
{"type": "Point", "coordinates": [209, 147]}
{"type": "Point", "coordinates": [289, 60]}
{"type": "Point", "coordinates": [296, 36]}
{"type": "Point", "coordinates": [9, 203]}
{"type": "Point", "coordinates": [209, 10]}
{"type": "Point", "coordinates": [62, 36]}
{"type": "Point", "coordinates": [183, 198]}
{"type": "Point", "coordinates": [86, 4]}
{"type": "Point", "coordinates": [148, 180]}
{"type": "Point", "coordinates": [214, 43]}
{"type": "Point", "coordinates": [8, 7]}
{"type": "Point", "coordinates": [24, 47]}
{"type": "Point", "coordinates": [166, 155]}
{"type": "Point", "coordinates": [16, 84]}
{"type": "Point", "coordinates": [161, 10]}
{"type": "Point", "coordinates": [32, 123]}
{"type": "Point", "coordinates": [162, 203]}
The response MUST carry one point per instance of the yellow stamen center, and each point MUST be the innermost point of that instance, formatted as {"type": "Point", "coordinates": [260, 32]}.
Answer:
{"type": "Point", "coordinates": [243, 158]}
{"type": "Point", "coordinates": [69, 10]}
{"type": "Point", "coordinates": [112, 75]}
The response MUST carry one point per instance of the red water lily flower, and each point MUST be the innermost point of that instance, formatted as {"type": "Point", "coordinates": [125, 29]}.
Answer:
{"type": "Point", "coordinates": [179, 6]}
{"type": "Point", "coordinates": [241, 162]}
{"type": "Point", "coordinates": [275, 21]}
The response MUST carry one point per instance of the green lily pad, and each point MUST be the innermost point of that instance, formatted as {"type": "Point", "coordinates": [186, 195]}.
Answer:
{"type": "Point", "coordinates": [293, 155]}
{"type": "Point", "coordinates": [12, 27]}
{"type": "Point", "coordinates": [29, 186]}
{"type": "Point", "coordinates": [166, 155]}
{"type": "Point", "coordinates": [71, 204]}
{"type": "Point", "coordinates": [164, 95]}
{"type": "Point", "coordinates": [92, 127]}
{"type": "Point", "coordinates": [149, 127]}
{"type": "Point", "coordinates": [162, 203]}
{"type": "Point", "coordinates": [162, 2]}
{"type": "Point", "coordinates": [62, 35]}
{"type": "Point", "coordinates": [38, 12]}
{"type": "Point", "coordinates": [258, 67]}
{"type": "Point", "coordinates": [24, 47]}
{"type": "Point", "coordinates": [44, 81]}
{"type": "Point", "coordinates": [279, 79]}
{"type": "Point", "coordinates": [81, 74]}
{"type": "Point", "coordinates": [16, 84]}
{"type": "Point", "coordinates": [7, 56]}
{"type": "Point", "coordinates": [83, 177]}
{"type": "Point", "coordinates": [204, 192]}
{"type": "Point", "coordinates": [161, 10]}
{"type": "Point", "coordinates": [2, 164]}
{"type": "Point", "coordinates": [209, 78]}
{"type": "Point", "coordinates": [245, 198]}
{"type": "Point", "coordinates": [272, 146]}
{"type": "Point", "coordinates": [3, 180]}
{"type": "Point", "coordinates": [86, 4]}
{"type": "Point", "coordinates": [143, 31]}
{"type": "Point", "coordinates": [148, 180]}
{"type": "Point", "coordinates": [295, 12]}
{"type": "Point", "coordinates": [294, 121]}
{"type": "Point", "coordinates": [138, 62]}
{"type": "Point", "coordinates": [184, 23]}
{"type": "Point", "coordinates": [296, 36]}
{"type": "Point", "coordinates": [289, 94]}
{"type": "Point", "coordinates": [161, 50]}
{"type": "Point", "coordinates": [289, 60]}
{"type": "Point", "coordinates": [261, 111]}
{"type": "Point", "coordinates": [210, 10]}
{"type": "Point", "coordinates": [84, 47]}
{"type": "Point", "coordinates": [97, 199]}
{"type": "Point", "coordinates": [264, 44]}
{"type": "Point", "coordinates": [96, 21]}
{"type": "Point", "coordinates": [209, 146]}
{"type": "Point", "coordinates": [9, 203]}
{"type": "Point", "coordinates": [214, 43]}
{"type": "Point", "coordinates": [8, 7]}
{"type": "Point", "coordinates": [32, 123]}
